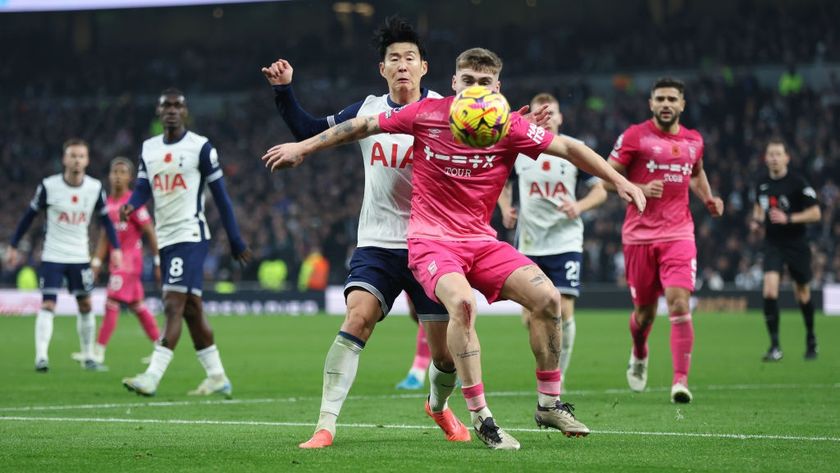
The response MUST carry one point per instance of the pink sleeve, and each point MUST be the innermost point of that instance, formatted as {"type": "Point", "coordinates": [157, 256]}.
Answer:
{"type": "Point", "coordinates": [625, 147]}
{"type": "Point", "coordinates": [141, 216]}
{"type": "Point", "coordinates": [527, 138]}
{"type": "Point", "coordinates": [702, 147]}
{"type": "Point", "coordinates": [399, 120]}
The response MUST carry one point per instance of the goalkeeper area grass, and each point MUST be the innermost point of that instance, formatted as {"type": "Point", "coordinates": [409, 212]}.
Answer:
{"type": "Point", "coordinates": [747, 416]}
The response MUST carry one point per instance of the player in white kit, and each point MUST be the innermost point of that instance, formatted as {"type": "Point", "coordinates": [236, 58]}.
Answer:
{"type": "Point", "coordinates": [550, 230]}
{"type": "Point", "coordinates": [71, 200]}
{"type": "Point", "coordinates": [379, 265]}
{"type": "Point", "coordinates": [173, 170]}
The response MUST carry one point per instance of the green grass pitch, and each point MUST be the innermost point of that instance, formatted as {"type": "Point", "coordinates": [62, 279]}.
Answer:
{"type": "Point", "coordinates": [747, 416]}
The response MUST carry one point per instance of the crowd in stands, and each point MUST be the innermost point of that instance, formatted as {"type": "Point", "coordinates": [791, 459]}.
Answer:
{"type": "Point", "coordinates": [310, 211]}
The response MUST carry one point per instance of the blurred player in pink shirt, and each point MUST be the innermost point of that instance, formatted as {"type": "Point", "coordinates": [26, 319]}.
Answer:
{"type": "Point", "coordinates": [666, 160]}
{"type": "Point", "coordinates": [124, 285]}
{"type": "Point", "coordinates": [451, 246]}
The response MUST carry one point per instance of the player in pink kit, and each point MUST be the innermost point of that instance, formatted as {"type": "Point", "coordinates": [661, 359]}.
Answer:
{"type": "Point", "coordinates": [451, 245]}
{"type": "Point", "coordinates": [666, 160]}
{"type": "Point", "coordinates": [124, 285]}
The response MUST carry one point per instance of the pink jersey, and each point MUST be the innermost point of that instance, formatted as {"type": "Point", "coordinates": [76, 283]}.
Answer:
{"type": "Point", "coordinates": [130, 234]}
{"type": "Point", "coordinates": [650, 154]}
{"type": "Point", "coordinates": [455, 187]}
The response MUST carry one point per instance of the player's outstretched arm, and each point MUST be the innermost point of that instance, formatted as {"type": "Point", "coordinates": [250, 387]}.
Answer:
{"type": "Point", "coordinates": [289, 155]}
{"type": "Point", "coordinates": [700, 187]}
{"type": "Point", "coordinates": [584, 158]}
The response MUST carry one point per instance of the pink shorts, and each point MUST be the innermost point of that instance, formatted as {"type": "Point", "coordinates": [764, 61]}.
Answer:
{"type": "Point", "coordinates": [125, 287]}
{"type": "Point", "coordinates": [485, 264]}
{"type": "Point", "coordinates": [652, 267]}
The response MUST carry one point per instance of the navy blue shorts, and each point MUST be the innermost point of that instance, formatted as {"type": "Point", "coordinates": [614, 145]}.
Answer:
{"type": "Point", "coordinates": [79, 279]}
{"type": "Point", "coordinates": [182, 267]}
{"type": "Point", "coordinates": [563, 270]}
{"type": "Point", "coordinates": [384, 273]}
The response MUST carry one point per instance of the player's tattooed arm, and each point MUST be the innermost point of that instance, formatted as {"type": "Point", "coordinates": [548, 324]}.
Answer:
{"type": "Point", "coordinates": [292, 154]}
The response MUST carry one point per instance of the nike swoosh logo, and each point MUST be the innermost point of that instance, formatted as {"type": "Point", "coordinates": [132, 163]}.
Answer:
{"type": "Point", "coordinates": [172, 280]}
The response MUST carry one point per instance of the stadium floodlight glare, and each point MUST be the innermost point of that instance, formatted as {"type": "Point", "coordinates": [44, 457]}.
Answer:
{"type": "Point", "coordinates": [7, 6]}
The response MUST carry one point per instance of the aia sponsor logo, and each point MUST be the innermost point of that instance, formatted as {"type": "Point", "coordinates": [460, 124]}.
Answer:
{"type": "Point", "coordinates": [73, 218]}
{"type": "Point", "coordinates": [168, 182]}
{"type": "Point", "coordinates": [392, 160]}
{"type": "Point", "coordinates": [547, 189]}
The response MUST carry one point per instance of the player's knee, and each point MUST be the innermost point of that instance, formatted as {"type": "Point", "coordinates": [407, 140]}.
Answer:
{"type": "Point", "coordinates": [48, 304]}
{"type": "Point", "coordinates": [84, 305]}
{"type": "Point", "coordinates": [360, 322]}
{"type": "Point", "coordinates": [547, 306]}
{"type": "Point", "coordinates": [678, 306]}
{"type": "Point", "coordinates": [463, 311]}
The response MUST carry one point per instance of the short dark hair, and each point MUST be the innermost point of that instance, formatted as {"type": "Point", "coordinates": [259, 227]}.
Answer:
{"type": "Point", "coordinates": [396, 30]}
{"type": "Point", "coordinates": [776, 140]}
{"type": "Point", "coordinates": [665, 82]}
{"type": "Point", "coordinates": [74, 142]}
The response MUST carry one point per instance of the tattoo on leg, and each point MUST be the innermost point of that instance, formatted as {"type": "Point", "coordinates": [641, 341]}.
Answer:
{"type": "Point", "coordinates": [537, 280]}
{"type": "Point", "coordinates": [469, 354]}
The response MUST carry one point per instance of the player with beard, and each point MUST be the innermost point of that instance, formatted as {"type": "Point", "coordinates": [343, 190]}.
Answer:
{"type": "Point", "coordinates": [665, 159]}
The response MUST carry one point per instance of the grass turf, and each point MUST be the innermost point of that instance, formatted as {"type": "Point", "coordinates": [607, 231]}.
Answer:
{"type": "Point", "coordinates": [747, 415]}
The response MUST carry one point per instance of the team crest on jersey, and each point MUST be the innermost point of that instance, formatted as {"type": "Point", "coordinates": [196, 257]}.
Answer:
{"type": "Point", "coordinates": [692, 151]}
{"type": "Point", "coordinates": [392, 111]}
{"type": "Point", "coordinates": [74, 199]}
{"type": "Point", "coordinates": [675, 150]}
{"type": "Point", "coordinates": [546, 166]}
{"type": "Point", "coordinates": [167, 158]}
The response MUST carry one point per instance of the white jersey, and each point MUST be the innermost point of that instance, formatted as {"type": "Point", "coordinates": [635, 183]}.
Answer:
{"type": "Point", "coordinates": [70, 210]}
{"type": "Point", "coordinates": [383, 220]}
{"type": "Point", "coordinates": [177, 173]}
{"type": "Point", "coordinates": [544, 184]}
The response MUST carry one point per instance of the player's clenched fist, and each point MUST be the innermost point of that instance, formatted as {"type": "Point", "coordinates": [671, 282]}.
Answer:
{"type": "Point", "coordinates": [278, 73]}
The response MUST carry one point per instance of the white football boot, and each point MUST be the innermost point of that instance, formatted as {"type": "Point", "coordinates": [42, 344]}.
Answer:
{"type": "Point", "coordinates": [637, 373]}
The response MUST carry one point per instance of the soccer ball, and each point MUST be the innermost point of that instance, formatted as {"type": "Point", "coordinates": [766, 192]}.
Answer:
{"type": "Point", "coordinates": [479, 117]}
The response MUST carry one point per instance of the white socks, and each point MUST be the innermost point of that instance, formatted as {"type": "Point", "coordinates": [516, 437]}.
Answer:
{"type": "Point", "coordinates": [43, 334]}
{"type": "Point", "coordinates": [567, 344]}
{"type": "Point", "coordinates": [159, 362]}
{"type": "Point", "coordinates": [442, 385]}
{"type": "Point", "coordinates": [339, 373]}
{"type": "Point", "coordinates": [86, 327]}
{"type": "Point", "coordinates": [210, 360]}
{"type": "Point", "coordinates": [476, 416]}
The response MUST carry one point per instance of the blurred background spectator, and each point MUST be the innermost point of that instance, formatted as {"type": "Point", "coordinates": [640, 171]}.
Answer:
{"type": "Point", "coordinates": [753, 70]}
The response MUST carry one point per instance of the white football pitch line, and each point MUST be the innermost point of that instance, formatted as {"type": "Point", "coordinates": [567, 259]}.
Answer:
{"type": "Point", "coordinates": [572, 393]}
{"type": "Point", "coordinates": [117, 420]}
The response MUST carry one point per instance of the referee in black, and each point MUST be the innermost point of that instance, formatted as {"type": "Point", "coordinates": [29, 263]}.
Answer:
{"type": "Point", "coordinates": [785, 202]}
